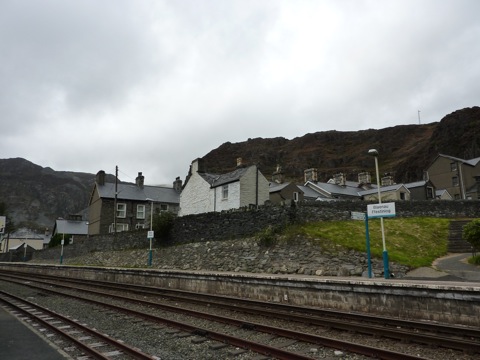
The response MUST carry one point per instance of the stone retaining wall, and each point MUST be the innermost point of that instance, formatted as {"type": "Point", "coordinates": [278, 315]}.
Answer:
{"type": "Point", "coordinates": [211, 241]}
{"type": "Point", "coordinates": [445, 303]}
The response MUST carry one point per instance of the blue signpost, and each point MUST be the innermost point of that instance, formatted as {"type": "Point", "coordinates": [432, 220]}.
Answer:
{"type": "Point", "coordinates": [382, 210]}
{"type": "Point", "coordinates": [150, 236]}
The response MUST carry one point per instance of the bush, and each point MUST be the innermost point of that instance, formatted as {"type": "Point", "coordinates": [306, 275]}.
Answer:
{"type": "Point", "coordinates": [163, 224]}
{"type": "Point", "coordinates": [267, 237]}
{"type": "Point", "coordinates": [471, 233]}
{"type": "Point", "coordinates": [475, 260]}
{"type": "Point", "coordinates": [56, 240]}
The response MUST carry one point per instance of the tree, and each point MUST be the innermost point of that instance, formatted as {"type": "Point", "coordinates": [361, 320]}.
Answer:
{"type": "Point", "coordinates": [471, 233]}
{"type": "Point", "coordinates": [163, 224]}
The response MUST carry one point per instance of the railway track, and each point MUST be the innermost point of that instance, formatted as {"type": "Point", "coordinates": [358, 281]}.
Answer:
{"type": "Point", "coordinates": [88, 341]}
{"type": "Point", "coordinates": [404, 331]}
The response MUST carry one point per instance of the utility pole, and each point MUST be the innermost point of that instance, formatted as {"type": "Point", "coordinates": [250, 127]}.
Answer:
{"type": "Point", "coordinates": [419, 123]}
{"type": "Point", "coordinates": [115, 204]}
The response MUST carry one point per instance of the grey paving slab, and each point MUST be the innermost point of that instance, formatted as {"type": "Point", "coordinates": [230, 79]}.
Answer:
{"type": "Point", "coordinates": [20, 342]}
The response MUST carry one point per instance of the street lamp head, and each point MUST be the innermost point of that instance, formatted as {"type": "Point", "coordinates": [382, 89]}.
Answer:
{"type": "Point", "coordinates": [373, 152]}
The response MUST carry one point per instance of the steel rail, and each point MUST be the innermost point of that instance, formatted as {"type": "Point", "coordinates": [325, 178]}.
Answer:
{"type": "Point", "coordinates": [135, 353]}
{"type": "Point", "coordinates": [390, 327]}
{"type": "Point", "coordinates": [324, 341]}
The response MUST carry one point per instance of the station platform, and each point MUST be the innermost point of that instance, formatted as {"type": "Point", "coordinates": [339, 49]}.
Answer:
{"type": "Point", "coordinates": [21, 342]}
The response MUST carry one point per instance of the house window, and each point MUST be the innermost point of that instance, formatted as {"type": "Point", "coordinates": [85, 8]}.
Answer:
{"type": "Point", "coordinates": [120, 227]}
{"type": "Point", "coordinates": [295, 196]}
{"type": "Point", "coordinates": [453, 166]}
{"type": "Point", "coordinates": [122, 210]}
{"type": "Point", "coordinates": [163, 207]}
{"type": "Point", "coordinates": [429, 193]}
{"type": "Point", "coordinates": [402, 196]}
{"type": "Point", "coordinates": [140, 211]}
{"type": "Point", "coordinates": [455, 181]}
{"type": "Point", "coordinates": [225, 192]}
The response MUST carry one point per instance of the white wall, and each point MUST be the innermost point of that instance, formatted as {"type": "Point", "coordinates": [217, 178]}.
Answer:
{"type": "Point", "coordinates": [233, 200]}
{"type": "Point", "coordinates": [196, 197]}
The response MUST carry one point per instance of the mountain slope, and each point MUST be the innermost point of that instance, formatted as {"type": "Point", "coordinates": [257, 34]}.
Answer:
{"type": "Point", "coordinates": [36, 196]}
{"type": "Point", "coordinates": [405, 151]}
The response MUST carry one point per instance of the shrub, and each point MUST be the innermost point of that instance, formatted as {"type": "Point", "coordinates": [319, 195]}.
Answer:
{"type": "Point", "coordinates": [56, 240]}
{"type": "Point", "coordinates": [471, 233]}
{"type": "Point", "coordinates": [267, 237]}
{"type": "Point", "coordinates": [163, 224]}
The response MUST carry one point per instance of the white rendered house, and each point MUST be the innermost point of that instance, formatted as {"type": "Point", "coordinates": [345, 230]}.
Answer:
{"type": "Point", "coordinates": [204, 192]}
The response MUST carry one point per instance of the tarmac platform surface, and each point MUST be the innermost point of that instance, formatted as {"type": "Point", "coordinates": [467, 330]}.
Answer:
{"type": "Point", "coordinates": [452, 268]}
{"type": "Point", "coordinates": [20, 342]}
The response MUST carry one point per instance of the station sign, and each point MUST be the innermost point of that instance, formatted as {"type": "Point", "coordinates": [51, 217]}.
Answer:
{"type": "Point", "coordinates": [381, 210]}
{"type": "Point", "coordinates": [355, 215]}
{"type": "Point", "coordinates": [150, 234]}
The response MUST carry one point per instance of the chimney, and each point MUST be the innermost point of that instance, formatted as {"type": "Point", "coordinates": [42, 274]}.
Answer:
{"type": "Point", "coordinates": [198, 165]}
{"type": "Point", "coordinates": [100, 177]}
{"type": "Point", "coordinates": [177, 185]}
{"type": "Point", "coordinates": [364, 178]}
{"type": "Point", "coordinates": [278, 176]}
{"type": "Point", "coordinates": [140, 180]}
{"type": "Point", "coordinates": [310, 175]}
{"type": "Point", "coordinates": [387, 180]}
{"type": "Point", "coordinates": [240, 162]}
{"type": "Point", "coordinates": [339, 179]}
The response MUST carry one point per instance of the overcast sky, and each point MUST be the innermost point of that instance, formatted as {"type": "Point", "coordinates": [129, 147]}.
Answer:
{"type": "Point", "coordinates": [151, 85]}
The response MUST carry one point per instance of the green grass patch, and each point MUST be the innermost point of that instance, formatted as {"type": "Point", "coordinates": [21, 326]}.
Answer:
{"type": "Point", "coordinates": [414, 242]}
{"type": "Point", "coordinates": [474, 260]}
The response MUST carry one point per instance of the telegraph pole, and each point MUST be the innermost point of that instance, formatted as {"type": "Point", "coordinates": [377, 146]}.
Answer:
{"type": "Point", "coordinates": [115, 204]}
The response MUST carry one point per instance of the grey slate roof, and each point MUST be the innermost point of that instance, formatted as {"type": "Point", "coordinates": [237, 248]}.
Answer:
{"type": "Point", "coordinates": [415, 184]}
{"type": "Point", "coordinates": [336, 190]}
{"type": "Point", "coordinates": [308, 193]}
{"type": "Point", "coordinates": [274, 187]}
{"type": "Point", "coordinates": [217, 180]}
{"type": "Point", "coordinates": [134, 192]}
{"type": "Point", "coordinates": [471, 162]}
{"type": "Point", "coordinates": [394, 187]}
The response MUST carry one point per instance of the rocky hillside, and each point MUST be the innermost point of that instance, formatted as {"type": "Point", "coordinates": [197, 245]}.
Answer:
{"type": "Point", "coordinates": [36, 196]}
{"type": "Point", "coordinates": [405, 151]}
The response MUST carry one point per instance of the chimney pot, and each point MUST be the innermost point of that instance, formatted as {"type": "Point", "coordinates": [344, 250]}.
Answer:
{"type": "Point", "coordinates": [140, 180]}
{"type": "Point", "coordinates": [239, 162]}
{"type": "Point", "coordinates": [100, 178]}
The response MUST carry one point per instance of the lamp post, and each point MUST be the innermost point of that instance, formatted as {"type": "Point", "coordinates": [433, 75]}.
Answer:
{"type": "Point", "coordinates": [386, 272]}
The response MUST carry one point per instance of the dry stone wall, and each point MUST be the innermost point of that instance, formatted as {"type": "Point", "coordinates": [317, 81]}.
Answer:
{"type": "Point", "coordinates": [226, 242]}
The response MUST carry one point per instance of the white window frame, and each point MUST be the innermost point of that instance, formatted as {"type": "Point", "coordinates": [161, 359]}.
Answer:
{"type": "Point", "coordinates": [163, 207]}
{"type": "Point", "coordinates": [120, 227]}
{"type": "Point", "coordinates": [121, 210]}
{"type": "Point", "coordinates": [225, 192]}
{"type": "Point", "coordinates": [140, 211]}
{"type": "Point", "coordinates": [295, 196]}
